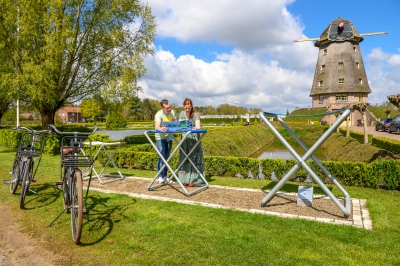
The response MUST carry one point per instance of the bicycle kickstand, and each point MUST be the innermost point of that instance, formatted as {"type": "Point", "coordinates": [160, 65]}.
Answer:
{"type": "Point", "coordinates": [34, 192]}
{"type": "Point", "coordinates": [57, 217]}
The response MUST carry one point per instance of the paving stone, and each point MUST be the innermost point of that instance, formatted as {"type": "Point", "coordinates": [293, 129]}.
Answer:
{"type": "Point", "coordinates": [367, 224]}
{"type": "Point", "coordinates": [286, 215]}
{"type": "Point", "coordinates": [324, 220]}
{"type": "Point", "coordinates": [306, 217]}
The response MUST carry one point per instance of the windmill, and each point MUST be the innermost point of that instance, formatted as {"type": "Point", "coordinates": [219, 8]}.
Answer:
{"type": "Point", "coordinates": [340, 78]}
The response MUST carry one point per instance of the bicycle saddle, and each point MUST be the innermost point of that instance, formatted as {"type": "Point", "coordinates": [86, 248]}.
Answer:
{"type": "Point", "coordinates": [68, 150]}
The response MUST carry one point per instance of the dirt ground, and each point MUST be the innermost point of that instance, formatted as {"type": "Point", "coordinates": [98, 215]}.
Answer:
{"type": "Point", "coordinates": [19, 249]}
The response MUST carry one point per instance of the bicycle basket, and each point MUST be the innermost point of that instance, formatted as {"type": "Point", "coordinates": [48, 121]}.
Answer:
{"type": "Point", "coordinates": [75, 152]}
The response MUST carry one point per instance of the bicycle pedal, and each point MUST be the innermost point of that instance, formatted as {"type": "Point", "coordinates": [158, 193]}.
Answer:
{"type": "Point", "coordinates": [33, 180]}
{"type": "Point", "coordinates": [58, 183]}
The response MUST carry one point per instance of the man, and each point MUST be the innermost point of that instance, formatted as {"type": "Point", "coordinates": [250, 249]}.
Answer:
{"type": "Point", "coordinates": [163, 140]}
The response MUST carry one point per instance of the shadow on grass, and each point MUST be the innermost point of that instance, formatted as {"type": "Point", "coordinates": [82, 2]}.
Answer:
{"type": "Point", "coordinates": [8, 150]}
{"type": "Point", "coordinates": [210, 178]}
{"type": "Point", "coordinates": [101, 218]}
{"type": "Point", "coordinates": [46, 194]}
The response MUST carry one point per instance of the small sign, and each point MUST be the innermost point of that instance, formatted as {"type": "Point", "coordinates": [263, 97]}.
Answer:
{"type": "Point", "coordinates": [305, 196]}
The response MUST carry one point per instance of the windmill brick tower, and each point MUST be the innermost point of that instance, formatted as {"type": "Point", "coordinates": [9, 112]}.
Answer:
{"type": "Point", "coordinates": [340, 78]}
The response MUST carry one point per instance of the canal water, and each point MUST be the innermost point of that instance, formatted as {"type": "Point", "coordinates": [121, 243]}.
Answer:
{"type": "Point", "coordinates": [276, 150]}
{"type": "Point", "coordinates": [120, 134]}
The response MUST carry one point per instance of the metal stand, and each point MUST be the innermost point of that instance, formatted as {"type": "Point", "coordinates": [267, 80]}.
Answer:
{"type": "Point", "coordinates": [302, 160]}
{"type": "Point", "coordinates": [102, 147]}
{"type": "Point", "coordinates": [185, 133]}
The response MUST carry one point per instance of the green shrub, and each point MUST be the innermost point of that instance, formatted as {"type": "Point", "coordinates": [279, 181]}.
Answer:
{"type": "Point", "coordinates": [360, 136]}
{"type": "Point", "coordinates": [9, 138]}
{"type": "Point", "coordinates": [142, 147]}
{"type": "Point", "coordinates": [387, 144]}
{"type": "Point", "coordinates": [100, 137]}
{"type": "Point", "coordinates": [138, 139]}
{"type": "Point", "coordinates": [115, 120]}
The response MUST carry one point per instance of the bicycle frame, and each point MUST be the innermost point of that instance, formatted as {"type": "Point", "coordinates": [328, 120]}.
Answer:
{"type": "Point", "coordinates": [72, 158]}
{"type": "Point", "coordinates": [30, 147]}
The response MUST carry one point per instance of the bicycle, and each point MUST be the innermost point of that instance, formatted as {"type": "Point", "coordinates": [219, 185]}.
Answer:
{"type": "Point", "coordinates": [23, 171]}
{"type": "Point", "coordinates": [72, 157]}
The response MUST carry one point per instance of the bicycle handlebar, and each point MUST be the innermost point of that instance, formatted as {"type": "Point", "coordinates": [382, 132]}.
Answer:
{"type": "Point", "coordinates": [53, 128]}
{"type": "Point", "coordinates": [32, 131]}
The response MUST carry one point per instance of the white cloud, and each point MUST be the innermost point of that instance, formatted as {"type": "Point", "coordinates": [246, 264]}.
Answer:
{"type": "Point", "coordinates": [394, 60]}
{"type": "Point", "coordinates": [241, 79]}
{"type": "Point", "coordinates": [382, 73]}
{"type": "Point", "coordinates": [248, 25]}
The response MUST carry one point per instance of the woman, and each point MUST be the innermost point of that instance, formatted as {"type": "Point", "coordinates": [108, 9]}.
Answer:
{"type": "Point", "coordinates": [187, 174]}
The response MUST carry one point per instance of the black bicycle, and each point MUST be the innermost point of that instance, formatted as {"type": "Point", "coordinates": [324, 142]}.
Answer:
{"type": "Point", "coordinates": [28, 152]}
{"type": "Point", "coordinates": [75, 152]}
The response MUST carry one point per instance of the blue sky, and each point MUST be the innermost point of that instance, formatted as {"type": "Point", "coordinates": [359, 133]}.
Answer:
{"type": "Point", "coordinates": [242, 52]}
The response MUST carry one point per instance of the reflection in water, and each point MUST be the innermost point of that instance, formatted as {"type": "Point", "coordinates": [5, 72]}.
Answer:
{"type": "Point", "coordinates": [277, 150]}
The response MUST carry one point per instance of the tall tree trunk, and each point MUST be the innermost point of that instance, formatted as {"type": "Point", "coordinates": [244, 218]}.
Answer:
{"type": "Point", "coordinates": [336, 117]}
{"type": "Point", "coordinates": [364, 116]}
{"type": "Point", "coordinates": [47, 117]}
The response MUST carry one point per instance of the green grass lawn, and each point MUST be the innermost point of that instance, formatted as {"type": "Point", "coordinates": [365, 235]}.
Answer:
{"type": "Point", "coordinates": [122, 230]}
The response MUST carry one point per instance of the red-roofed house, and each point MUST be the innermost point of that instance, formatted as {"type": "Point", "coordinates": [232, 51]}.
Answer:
{"type": "Point", "coordinates": [70, 114]}
{"type": "Point", "coordinates": [27, 116]}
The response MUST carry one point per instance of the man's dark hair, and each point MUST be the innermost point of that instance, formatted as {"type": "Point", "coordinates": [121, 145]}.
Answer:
{"type": "Point", "coordinates": [165, 101]}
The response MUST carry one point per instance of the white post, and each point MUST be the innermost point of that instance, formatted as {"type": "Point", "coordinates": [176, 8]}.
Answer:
{"type": "Point", "coordinates": [17, 113]}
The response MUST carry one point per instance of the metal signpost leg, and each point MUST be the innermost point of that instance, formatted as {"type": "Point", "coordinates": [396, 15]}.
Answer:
{"type": "Point", "coordinates": [321, 166]}
{"type": "Point", "coordinates": [187, 157]}
{"type": "Point", "coordinates": [302, 161]}
{"type": "Point", "coordinates": [185, 135]}
{"type": "Point", "coordinates": [165, 161]}
{"type": "Point", "coordinates": [109, 159]}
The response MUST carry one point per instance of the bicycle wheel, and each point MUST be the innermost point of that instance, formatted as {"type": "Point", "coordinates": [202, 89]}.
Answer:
{"type": "Point", "coordinates": [15, 178]}
{"type": "Point", "coordinates": [76, 190]}
{"type": "Point", "coordinates": [25, 181]}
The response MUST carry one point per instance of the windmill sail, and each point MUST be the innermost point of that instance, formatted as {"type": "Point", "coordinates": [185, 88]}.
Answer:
{"type": "Point", "coordinates": [362, 34]}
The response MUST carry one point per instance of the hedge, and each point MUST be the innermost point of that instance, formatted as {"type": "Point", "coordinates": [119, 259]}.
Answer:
{"type": "Point", "coordinates": [11, 139]}
{"type": "Point", "coordinates": [379, 142]}
{"type": "Point", "coordinates": [387, 144]}
{"type": "Point", "coordinates": [381, 174]}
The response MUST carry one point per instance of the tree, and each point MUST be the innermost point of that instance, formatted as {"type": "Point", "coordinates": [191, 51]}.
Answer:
{"type": "Point", "coordinates": [63, 51]}
{"type": "Point", "coordinates": [5, 100]}
{"type": "Point", "coordinates": [90, 108]}
{"type": "Point", "coordinates": [134, 107]}
{"type": "Point", "coordinates": [362, 108]}
{"type": "Point", "coordinates": [5, 95]}
{"type": "Point", "coordinates": [149, 109]}
{"type": "Point", "coordinates": [115, 120]}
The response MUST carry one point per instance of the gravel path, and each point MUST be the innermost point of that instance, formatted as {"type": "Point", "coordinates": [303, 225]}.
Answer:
{"type": "Point", "coordinates": [247, 199]}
